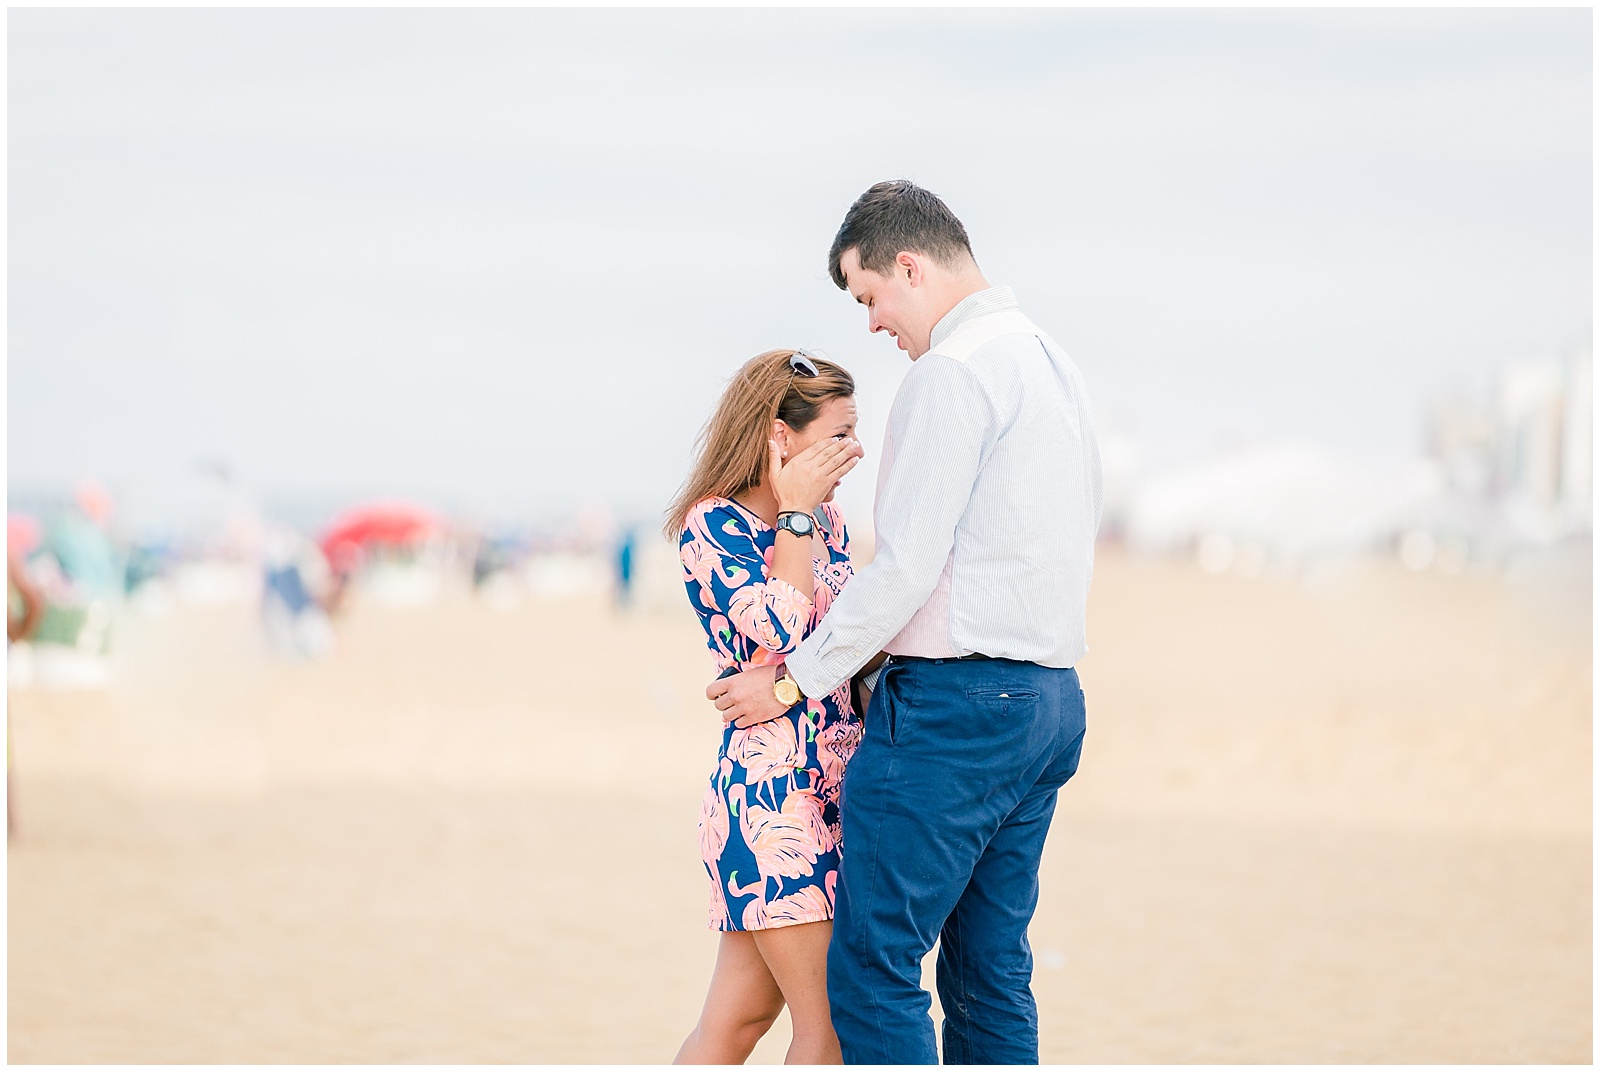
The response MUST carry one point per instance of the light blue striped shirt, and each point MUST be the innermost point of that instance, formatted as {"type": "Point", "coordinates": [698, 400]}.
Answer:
{"type": "Point", "coordinates": [988, 501]}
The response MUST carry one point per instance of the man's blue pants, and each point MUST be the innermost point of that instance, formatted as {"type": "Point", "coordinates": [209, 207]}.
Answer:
{"type": "Point", "coordinates": [945, 809]}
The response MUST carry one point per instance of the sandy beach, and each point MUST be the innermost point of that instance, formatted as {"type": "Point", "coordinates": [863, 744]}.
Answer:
{"type": "Point", "coordinates": [1339, 818]}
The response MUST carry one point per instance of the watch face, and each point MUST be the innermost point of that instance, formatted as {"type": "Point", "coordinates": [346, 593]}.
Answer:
{"type": "Point", "coordinates": [786, 691]}
{"type": "Point", "coordinates": [799, 524]}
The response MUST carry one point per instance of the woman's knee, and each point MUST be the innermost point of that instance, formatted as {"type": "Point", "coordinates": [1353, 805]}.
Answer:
{"type": "Point", "coordinates": [745, 1034]}
{"type": "Point", "coordinates": [744, 1018]}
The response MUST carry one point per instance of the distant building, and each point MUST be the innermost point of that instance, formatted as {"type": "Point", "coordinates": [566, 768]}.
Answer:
{"type": "Point", "coordinates": [1461, 439]}
{"type": "Point", "coordinates": [1525, 457]}
{"type": "Point", "coordinates": [1577, 442]}
{"type": "Point", "coordinates": [1528, 410]}
{"type": "Point", "coordinates": [1545, 430]}
{"type": "Point", "coordinates": [1505, 472]}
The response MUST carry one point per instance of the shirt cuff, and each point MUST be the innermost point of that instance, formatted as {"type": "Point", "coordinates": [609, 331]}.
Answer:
{"type": "Point", "coordinates": [807, 674]}
{"type": "Point", "coordinates": [870, 681]}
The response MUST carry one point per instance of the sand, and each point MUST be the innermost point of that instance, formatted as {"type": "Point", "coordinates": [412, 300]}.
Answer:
{"type": "Point", "coordinates": [1338, 818]}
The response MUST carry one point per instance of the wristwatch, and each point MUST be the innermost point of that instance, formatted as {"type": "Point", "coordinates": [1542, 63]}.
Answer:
{"type": "Point", "coordinates": [798, 522]}
{"type": "Point", "coordinates": [786, 688]}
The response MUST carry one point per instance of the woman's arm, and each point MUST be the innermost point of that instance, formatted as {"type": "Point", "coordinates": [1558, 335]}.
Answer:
{"type": "Point", "coordinates": [800, 485]}
{"type": "Point", "coordinates": [720, 553]}
{"type": "Point", "coordinates": [768, 603]}
{"type": "Point", "coordinates": [792, 561]}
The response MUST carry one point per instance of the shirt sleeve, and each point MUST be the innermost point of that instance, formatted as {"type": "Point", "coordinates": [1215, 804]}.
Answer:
{"type": "Point", "coordinates": [729, 574]}
{"type": "Point", "coordinates": [942, 427]}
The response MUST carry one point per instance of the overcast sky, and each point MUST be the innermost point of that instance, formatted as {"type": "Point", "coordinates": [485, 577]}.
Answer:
{"type": "Point", "coordinates": [504, 260]}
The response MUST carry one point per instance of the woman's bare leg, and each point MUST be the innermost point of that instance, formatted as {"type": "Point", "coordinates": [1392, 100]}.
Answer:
{"type": "Point", "coordinates": [741, 1004]}
{"type": "Point", "coordinates": [798, 959]}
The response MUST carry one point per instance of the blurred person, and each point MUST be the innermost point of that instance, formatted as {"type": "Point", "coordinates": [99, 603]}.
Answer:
{"type": "Point", "coordinates": [148, 560]}
{"type": "Point", "coordinates": [988, 501]}
{"type": "Point", "coordinates": [79, 541]}
{"type": "Point", "coordinates": [24, 610]}
{"type": "Point", "coordinates": [294, 572]}
{"type": "Point", "coordinates": [765, 553]}
{"type": "Point", "coordinates": [495, 556]}
{"type": "Point", "coordinates": [491, 556]}
{"type": "Point", "coordinates": [78, 572]}
{"type": "Point", "coordinates": [624, 569]}
{"type": "Point", "coordinates": [94, 501]}
{"type": "Point", "coordinates": [24, 601]}
{"type": "Point", "coordinates": [343, 562]}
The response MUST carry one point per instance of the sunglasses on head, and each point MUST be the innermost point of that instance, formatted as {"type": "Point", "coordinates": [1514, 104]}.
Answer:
{"type": "Point", "coordinates": [804, 361]}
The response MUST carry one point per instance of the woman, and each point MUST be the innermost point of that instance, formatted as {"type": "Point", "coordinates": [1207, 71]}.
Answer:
{"type": "Point", "coordinates": [768, 462]}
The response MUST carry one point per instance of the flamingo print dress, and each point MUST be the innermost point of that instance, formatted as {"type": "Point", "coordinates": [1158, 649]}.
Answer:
{"type": "Point", "coordinates": [769, 821]}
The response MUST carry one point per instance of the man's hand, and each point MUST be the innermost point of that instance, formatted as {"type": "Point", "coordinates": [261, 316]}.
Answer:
{"type": "Point", "coordinates": [746, 698]}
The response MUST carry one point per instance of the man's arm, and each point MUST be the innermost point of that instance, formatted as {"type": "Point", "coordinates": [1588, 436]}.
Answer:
{"type": "Point", "coordinates": [942, 426]}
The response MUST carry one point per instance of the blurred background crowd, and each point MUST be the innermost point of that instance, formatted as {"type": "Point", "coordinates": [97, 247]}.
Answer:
{"type": "Point", "coordinates": [1500, 481]}
{"type": "Point", "coordinates": [74, 570]}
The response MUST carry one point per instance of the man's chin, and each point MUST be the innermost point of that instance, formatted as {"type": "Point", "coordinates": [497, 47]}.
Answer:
{"type": "Point", "coordinates": [906, 347]}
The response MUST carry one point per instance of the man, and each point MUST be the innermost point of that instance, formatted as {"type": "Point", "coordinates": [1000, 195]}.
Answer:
{"type": "Point", "coordinates": [988, 501]}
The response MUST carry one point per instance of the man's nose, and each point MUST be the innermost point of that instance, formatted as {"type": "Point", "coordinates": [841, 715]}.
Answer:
{"type": "Point", "coordinates": [872, 321]}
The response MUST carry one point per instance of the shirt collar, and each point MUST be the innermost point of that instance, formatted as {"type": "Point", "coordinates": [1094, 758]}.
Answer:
{"type": "Point", "coordinates": [982, 303]}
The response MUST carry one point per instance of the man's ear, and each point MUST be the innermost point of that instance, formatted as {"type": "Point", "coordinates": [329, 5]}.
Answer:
{"type": "Point", "coordinates": [909, 267]}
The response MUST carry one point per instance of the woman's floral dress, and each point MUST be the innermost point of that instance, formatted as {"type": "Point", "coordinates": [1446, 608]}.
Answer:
{"type": "Point", "coordinates": [769, 823]}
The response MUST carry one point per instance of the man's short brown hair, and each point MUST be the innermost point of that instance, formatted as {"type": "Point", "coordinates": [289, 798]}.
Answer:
{"type": "Point", "coordinates": [897, 216]}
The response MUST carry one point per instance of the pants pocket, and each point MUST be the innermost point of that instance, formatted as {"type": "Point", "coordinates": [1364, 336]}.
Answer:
{"type": "Point", "coordinates": [893, 687]}
{"type": "Point", "coordinates": [1002, 700]}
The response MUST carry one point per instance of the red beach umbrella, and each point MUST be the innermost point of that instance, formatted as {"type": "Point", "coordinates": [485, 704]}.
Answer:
{"type": "Point", "coordinates": [376, 523]}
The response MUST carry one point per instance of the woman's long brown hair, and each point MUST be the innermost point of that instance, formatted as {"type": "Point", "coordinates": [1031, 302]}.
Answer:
{"type": "Point", "coordinates": [731, 453]}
